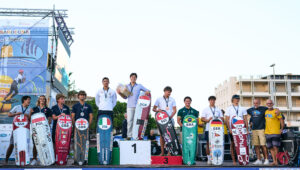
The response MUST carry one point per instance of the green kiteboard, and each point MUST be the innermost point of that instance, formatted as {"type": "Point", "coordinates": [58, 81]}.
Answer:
{"type": "Point", "coordinates": [189, 139]}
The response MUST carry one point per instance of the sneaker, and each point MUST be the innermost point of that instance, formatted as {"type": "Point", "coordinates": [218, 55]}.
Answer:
{"type": "Point", "coordinates": [266, 162]}
{"type": "Point", "coordinates": [33, 162]}
{"type": "Point", "coordinates": [208, 162]}
{"type": "Point", "coordinates": [257, 162]}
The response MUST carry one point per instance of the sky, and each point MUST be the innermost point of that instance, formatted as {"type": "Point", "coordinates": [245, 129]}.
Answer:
{"type": "Point", "coordinates": [190, 45]}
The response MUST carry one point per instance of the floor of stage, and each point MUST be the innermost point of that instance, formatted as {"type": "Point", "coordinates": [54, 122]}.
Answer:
{"type": "Point", "coordinates": [199, 164]}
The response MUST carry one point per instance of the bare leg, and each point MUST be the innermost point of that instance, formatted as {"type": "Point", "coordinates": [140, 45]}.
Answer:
{"type": "Point", "coordinates": [265, 152]}
{"type": "Point", "coordinates": [272, 150]}
{"type": "Point", "coordinates": [232, 153]}
{"type": "Point", "coordinates": [275, 153]}
{"type": "Point", "coordinates": [8, 152]}
{"type": "Point", "coordinates": [162, 146]}
{"type": "Point", "coordinates": [34, 152]}
{"type": "Point", "coordinates": [257, 151]}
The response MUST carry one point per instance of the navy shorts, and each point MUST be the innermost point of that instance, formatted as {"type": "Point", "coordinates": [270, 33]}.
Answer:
{"type": "Point", "coordinates": [206, 137]}
{"type": "Point", "coordinates": [273, 140]}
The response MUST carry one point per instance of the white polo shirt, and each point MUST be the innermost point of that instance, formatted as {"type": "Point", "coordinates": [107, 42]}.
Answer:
{"type": "Point", "coordinates": [163, 103]}
{"type": "Point", "coordinates": [106, 99]}
{"type": "Point", "coordinates": [209, 112]}
{"type": "Point", "coordinates": [235, 111]}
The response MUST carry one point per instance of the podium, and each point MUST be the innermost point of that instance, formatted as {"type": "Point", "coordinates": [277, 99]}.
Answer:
{"type": "Point", "coordinates": [135, 152]}
{"type": "Point", "coordinates": [166, 160]}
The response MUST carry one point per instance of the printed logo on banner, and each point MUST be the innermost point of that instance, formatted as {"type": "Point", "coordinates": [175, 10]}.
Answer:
{"type": "Point", "coordinates": [104, 123]}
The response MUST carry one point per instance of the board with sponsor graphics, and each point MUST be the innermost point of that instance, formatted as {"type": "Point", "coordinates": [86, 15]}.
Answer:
{"type": "Point", "coordinates": [189, 139]}
{"type": "Point", "coordinates": [167, 131]}
{"type": "Point", "coordinates": [62, 139]}
{"type": "Point", "coordinates": [104, 139]}
{"type": "Point", "coordinates": [81, 141]}
{"type": "Point", "coordinates": [42, 138]}
{"type": "Point", "coordinates": [239, 133]}
{"type": "Point", "coordinates": [141, 116]}
{"type": "Point", "coordinates": [21, 135]}
{"type": "Point", "coordinates": [216, 141]}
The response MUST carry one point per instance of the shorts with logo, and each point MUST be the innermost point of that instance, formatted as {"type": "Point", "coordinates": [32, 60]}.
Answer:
{"type": "Point", "coordinates": [258, 137]}
{"type": "Point", "coordinates": [273, 140]}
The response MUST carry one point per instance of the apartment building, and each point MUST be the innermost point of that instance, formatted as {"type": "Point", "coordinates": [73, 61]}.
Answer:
{"type": "Point", "coordinates": [284, 90]}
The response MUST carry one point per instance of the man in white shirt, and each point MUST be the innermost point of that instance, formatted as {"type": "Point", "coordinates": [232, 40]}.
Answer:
{"type": "Point", "coordinates": [207, 115]}
{"type": "Point", "coordinates": [106, 99]}
{"type": "Point", "coordinates": [24, 108]}
{"type": "Point", "coordinates": [235, 110]}
{"type": "Point", "coordinates": [167, 104]}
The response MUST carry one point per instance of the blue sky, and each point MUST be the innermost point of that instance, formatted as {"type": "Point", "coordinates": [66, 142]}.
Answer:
{"type": "Point", "coordinates": [191, 45]}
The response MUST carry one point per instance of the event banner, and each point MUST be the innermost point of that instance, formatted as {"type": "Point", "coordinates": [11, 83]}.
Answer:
{"type": "Point", "coordinates": [23, 62]}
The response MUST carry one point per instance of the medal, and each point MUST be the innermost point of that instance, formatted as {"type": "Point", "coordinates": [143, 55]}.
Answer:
{"type": "Point", "coordinates": [81, 114]}
{"type": "Point", "coordinates": [167, 108]}
{"type": "Point", "coordinates": [131, 94]}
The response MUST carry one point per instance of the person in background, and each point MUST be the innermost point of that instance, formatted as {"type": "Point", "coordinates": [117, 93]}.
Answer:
{"type": "Point", "coordinates": [257, 125]}
{"type": "Point", "coordinates": [106, 99]}
{"type": "Point", "coordinates": [135, 90]}
{"type": "Point", "coordinates": [41, 107]}
{"type": "Point", "coordinates": [59, 109]}
{"type": "Point", "coordinates": [24, 108]}
{"type": "Point", "coordinates": [235, 110]}
{"type": "Point", "coordinates": [186, 110]}
{"type": "Point", "coordinates": [208, 114]}
{"type": "Point", "coordinates": [124, 127]}
{"type": "Point", "coordinates": [201, 126]}
{"type": "Point", "coordinates": [82, 109]}
{"type": "Point", "coordinates": [168, 104]}
{"type": "Point", "coordinates": [273, 130]}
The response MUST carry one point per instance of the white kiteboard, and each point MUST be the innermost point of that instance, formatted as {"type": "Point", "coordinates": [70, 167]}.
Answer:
{"type": "Point", "coordinates": [21, 137]}
{"type": "Point", "coordinates": [216, 141]}
{"type": "Point", "coordinates": [42, 138]}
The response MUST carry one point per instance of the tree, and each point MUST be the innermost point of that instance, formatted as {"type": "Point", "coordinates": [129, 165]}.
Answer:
{"type": "Point", "coordinates": [119, 111]}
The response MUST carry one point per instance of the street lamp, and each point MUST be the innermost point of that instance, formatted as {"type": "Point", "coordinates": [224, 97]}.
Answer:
{"type": "Point", "coordinates": [274, 84]}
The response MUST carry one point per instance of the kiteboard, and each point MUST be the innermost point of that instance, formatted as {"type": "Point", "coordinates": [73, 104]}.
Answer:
{"type": "Point", "coordinates": [216, 141]}
{"type": "Point", "coordinates": [81, 141]}
{"type": "Point", "coordinates": [104, 139]}
{"type": "Point", "coordinates": [42, 138]}
{"type": "Point", "coordinates": [189, 139]}
{"type": "Point", "coordinates": [239, 133]}
{"type": "Point", "coordinates": [167, 131]}
{"type": "Point", "coordinates": [21, 135]}
{"type": "Point", "coordinates": [141, 116]}
{"type": "Point", "coordinates": [62, 139]}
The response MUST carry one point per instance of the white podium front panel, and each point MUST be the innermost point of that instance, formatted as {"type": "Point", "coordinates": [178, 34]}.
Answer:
{"type": "Point", "coordinates": [135, 152]}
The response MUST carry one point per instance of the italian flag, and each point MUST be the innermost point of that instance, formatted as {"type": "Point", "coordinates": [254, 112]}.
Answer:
{"type": "Point", "coordinates": [104, 121]}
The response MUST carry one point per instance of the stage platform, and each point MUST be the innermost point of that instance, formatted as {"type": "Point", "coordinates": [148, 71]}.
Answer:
{"type": "Point", "coordinates": [199, 165]}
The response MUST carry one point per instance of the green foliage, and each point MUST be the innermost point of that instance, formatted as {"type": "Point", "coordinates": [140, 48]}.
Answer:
{"type": "Point", "coordinates": [95, 113]}
{"type": "Point", "coordinates": [151, 125]}
{"type": "Point", "coordinates": [119, 111]}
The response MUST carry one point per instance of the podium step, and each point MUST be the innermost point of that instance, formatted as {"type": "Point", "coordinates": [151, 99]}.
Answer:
{"type": "Point", "coordinates": [166, 160]}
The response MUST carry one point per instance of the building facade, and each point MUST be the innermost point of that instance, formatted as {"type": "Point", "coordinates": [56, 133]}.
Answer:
{"type": "Point", "coordinates": [284, 90]}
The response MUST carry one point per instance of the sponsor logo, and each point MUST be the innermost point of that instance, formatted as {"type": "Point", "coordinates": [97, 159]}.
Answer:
{"type": "Point", "coordinates": [3, 135]}
{"type": "Point", "coordinates": [65, 122]}
{"type": "Point", "coordinates": [162, 118]}
{"type": "Point", "coordinates": [81, 124]}
{"type": "Point", "coordinates": [144, 101]}
{"type": "Point", "coordinates": [104, 123]}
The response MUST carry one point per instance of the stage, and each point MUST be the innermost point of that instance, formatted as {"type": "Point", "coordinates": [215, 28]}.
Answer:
{"type": "Point", "coordinates": [199, 165]}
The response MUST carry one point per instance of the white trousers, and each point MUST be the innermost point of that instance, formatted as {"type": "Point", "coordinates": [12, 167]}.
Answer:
{"type": "Point", "coordinates": [130, 116]}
